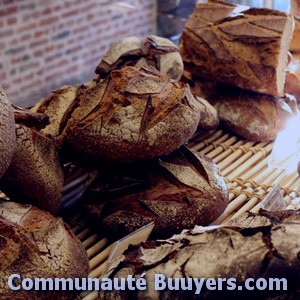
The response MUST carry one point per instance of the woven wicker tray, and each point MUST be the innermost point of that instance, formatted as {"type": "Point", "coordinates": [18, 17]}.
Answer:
{"type": "Point", "coordinates": [244, 165]}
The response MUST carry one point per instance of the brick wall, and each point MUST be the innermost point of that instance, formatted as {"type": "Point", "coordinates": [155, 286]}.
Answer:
{"type": "Point", "coordinates": [47, 43]}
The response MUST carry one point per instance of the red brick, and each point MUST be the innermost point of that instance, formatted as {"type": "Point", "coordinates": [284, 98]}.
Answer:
{"type": "Point", "coordinates": [38, 43]}
{"type": "Point", "coordinates": [47, 11]}
{"type": "Point", "coordinates": [70, 13]}
{"type": "Point", "coordinates": [49, 21]}
{"type": "Point", "coordinates": [1, 23]}
{"type": "Point", "coordinates": [27, 27]}
{"type": "Point", "coordinates": [81, 29]}
{"type": "Point", "coordinates": [8, 11]}
{"type": "Point", "coordinates": [25, 37]}
{"type": "Point", "coordinates": [40, 33]}
{"type": "Point", "coordinates": [54, 76]}
{"type": "Point", "coordinates": [12, 21]}
{"type": "Point", "coordinates": [38, 53]}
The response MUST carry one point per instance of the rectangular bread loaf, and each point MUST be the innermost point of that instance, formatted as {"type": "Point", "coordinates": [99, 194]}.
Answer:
{"type": "Point", "coordinates": [238, 45]}
{"type": "Point", "coordinates": [295, 11]}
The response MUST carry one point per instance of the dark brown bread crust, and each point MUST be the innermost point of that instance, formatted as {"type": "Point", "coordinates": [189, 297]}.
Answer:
{"type": "Point", "coordinates": [35, 244]}
{"type": "Point", "coordinates": [7, 132]}
{"type": "Point", "coordinates": [238, 45]}
{"type": "Point", "coordinates": [132, 115]}
{"type": "Point", "coordinates": [153, 51]}
{"type": "Point", "coordinates": [179, 191]}
{"type": "Point", "coordinates": [253, 116]}
{"type": "Point", "coordinates": [262, 246]}
{"type": "Point", "coordinates": [58, 106]}
{"type": "Point", "coordinates": [35, 174]}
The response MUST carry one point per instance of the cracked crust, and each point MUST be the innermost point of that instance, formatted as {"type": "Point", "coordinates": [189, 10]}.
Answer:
{"type": "Point", "coordinates": [7, 132]}
{"type": "Point", "coordinates": [153, 51]}
{"type": "Point", "coordinates": [132, 115]}
{"type": "Point", "coordinates": [269, 249]}
{"type": "Point", "coordinates": [236, 109]}
{"type": "Point", "coordinates": [35, 174]}
{"type": "Point", "coordinates": [238, 45]}
{"type": "Point", "coordinates": [178, 191]}
{"type": "Point", "coordinates": [35, 244]}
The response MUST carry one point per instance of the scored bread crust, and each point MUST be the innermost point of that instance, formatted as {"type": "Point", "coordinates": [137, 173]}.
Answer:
{"type": "Point", "coordinates": [238, 45]}
{"type": "Point", "coordinates": [253, 116]}
{"type": "Point", "coordinates": [270, 241]}
{"type": "Point", "coordinates": [179, 191]}
{"type": "Point", "coordinates": [132, 115]}
{"type": "Point", "coordinates": [7, 132]}
{"type": "Point", "coordinates": [35, 174]}
{"type": "Point", "coordinates": [35, 244]}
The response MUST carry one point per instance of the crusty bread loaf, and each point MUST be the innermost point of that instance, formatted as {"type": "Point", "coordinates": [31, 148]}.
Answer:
{"type": "Point", "coordinates": [35, 244]}
{"type": "Point", "coordinates": [208, 115]}
{"type": "Point", "coordinates": [295, 11]}
{"type": "Point", "coordinates": [58, 106]}
{"type": "Point", "coordinates": [238, 45]}
{"type": "Point", "coordinates": [264, 246]}
{"type": "Point", "coordinates": [253, 116]}
{"type": "Point", "coordinates": [132, 115]}
{"type": "Point", "coordinates": [7, 132]}
{"type": "Point", "coordinates": [35, 174]}
{"type": "Point", "coordinates": [153, 51]}
{"type": "Point", "coordinates": [178, 191]}
{"type": "Point", "coordinates": [292, 82]}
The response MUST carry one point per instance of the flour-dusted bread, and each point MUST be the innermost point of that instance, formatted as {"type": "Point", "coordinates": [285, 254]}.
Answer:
{"type": "Point", "coordinates": [152, 51]}
{"type": "Point", "coordinates": [35, 173]}
{"type": "Point", "coordinates": [7, 132]}
{"type": "Point", "coordinates": [253, 116]}
{"type": "Point", "coordinates": [132, 115]}
{"type": "Point", "coordinates": [58, 106]}
{"type": "Point", "coordinates": [238, 45]}
{"type": "Point", "coordinates": [178, 191]}
{"type": "Point", "coordinates": [255, 246]}
{"type": "Point", "coordinates": [35, 244]}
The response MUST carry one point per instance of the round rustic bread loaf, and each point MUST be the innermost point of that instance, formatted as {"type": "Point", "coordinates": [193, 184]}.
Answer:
{"type": "Point", "coordinates": [7, 132]}
{"type": "Point", "coordinates": [132, 115]}
{"type": "Point", "coordinates": [35, 174]}
{"type": "Point", "coordinates": [35, 244]}
{"type": "Point", "coordinates": [264, 247]}
{"type": "Point", "coordinates": [178, 191]}
{"type": "Point", "coordinates": [153, 51]}
{"type": "Point", "coordinates": [58, 106]}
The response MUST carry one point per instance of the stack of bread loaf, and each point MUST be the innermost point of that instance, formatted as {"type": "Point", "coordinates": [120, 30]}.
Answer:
{"type": "Point", "coordinates": [131, 124]}
{"type": "Point", "coordinates": [33, 243]}
{"type": "Point", "coordinates": [241, 53]}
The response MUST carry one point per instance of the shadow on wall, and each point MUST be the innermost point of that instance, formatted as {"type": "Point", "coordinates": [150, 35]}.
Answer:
{"type": "Point", "coordinates": [45, 44]}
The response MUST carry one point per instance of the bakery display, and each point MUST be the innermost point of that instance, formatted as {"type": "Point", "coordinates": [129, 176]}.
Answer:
{"type": "Point", "coordinates": [256, 117]}
{"type": "Point", "coordinates": [7, 132]}
{"type": "Point", "coordinates": [35, 244]}
{"type": "Point", "coordinates": [253, 246]}
{"type": "Point", "coordinates": [152, 51]}
{"type": "Point", "coordinates": [35, 173]}
{"type": "Point", "coordinates": [178, 191]}
{"type": "Point", "coordinates": [132, 115]}
{"type": "Point", "coordinates": [238, 45]}
{"type": "Point", "coordinates": [118, 144]}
